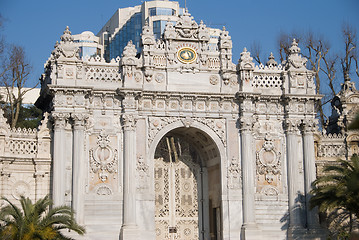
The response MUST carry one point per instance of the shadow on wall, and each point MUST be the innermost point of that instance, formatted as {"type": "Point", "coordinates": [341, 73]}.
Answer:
{"type": "Point", "coordinates": [299, 210]}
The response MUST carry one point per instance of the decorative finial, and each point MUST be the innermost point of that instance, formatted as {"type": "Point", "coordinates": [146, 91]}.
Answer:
{"type": "Point", "coordinates": [294, 48]}
{"type": "Point", "coordinates": [67, 30]}
{"type": "Point", "coordinates": [224, 28]}
{"type": "Point", "coordinates": [67, 37]}
{"type": "Point", "coordinates": [271, 62]}
{"type": "Point", "coordinates": [244, 49]}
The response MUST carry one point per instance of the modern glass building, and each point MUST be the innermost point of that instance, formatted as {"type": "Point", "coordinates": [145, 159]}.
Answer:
{"type": "Point", "coordinates": [126, 24]}
{"type": "Point", "coordinates": [88, 44]}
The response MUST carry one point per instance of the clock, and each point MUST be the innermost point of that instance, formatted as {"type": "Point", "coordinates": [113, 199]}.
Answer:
{"type": "Point", "coordinates": [186, 55]}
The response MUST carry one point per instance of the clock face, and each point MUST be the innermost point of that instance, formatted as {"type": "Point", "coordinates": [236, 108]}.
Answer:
{"type": "Point", "coordinates": [187, 55]}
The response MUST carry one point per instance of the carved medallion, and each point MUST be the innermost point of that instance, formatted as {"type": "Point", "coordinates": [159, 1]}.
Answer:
{"type": "Point", "coordinates": [20, 188]}
{"type": "Point", "coordinates": [213, 79]}
{"type": "Point", "coordinates": [159, 77]}
{"type": "Point", "coordinates": [103, 159]}
{"type": "Point", "coordinates": [186, 55]}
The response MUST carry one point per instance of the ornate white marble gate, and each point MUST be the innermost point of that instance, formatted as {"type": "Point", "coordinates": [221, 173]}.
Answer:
{"type": "Point", "coordinates": [233, 115]}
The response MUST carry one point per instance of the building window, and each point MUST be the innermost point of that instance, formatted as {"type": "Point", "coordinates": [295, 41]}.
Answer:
{"type": "Point", "coordinates": [88, 51]}
{"type": "Point", "coordinates": [159, 27]}
{"type": "Point", "coordinates": [130, 31]}
{"type": "Point", "coordinates": [162, 11]}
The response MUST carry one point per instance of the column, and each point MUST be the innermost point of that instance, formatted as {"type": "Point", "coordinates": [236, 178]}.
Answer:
{"type": "Point", "coordinates": [78, 167]}
{"type": "Point", "coordinates": [129, 227]}
{"type": "Point", "coordinates": [309, 171]}
{"type": "Point", "coordinates": [58, 171]}
{"type": "Point", "coordinates": [293, 173]}
{"type": "Point", "coordinates": [248, 169]}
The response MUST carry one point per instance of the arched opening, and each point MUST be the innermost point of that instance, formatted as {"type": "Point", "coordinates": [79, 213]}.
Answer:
{"type": "Point", "coordinates": [187, 180]}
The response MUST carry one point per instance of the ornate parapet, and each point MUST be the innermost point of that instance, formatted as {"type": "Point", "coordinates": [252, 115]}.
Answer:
{"type": "Point", "coordinates": [26, 144]}
{"type": "Point", "coordinates": [25, 160]}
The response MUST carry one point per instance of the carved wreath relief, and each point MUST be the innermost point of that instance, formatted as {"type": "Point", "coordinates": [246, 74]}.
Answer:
{"type": "Point", "coordinates": [103, 164]}
{"type": "Point", "coordinates": [268, 166]}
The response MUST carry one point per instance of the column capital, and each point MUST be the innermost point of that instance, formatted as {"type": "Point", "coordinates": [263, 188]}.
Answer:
{"type": "Point", "coordinates": [79, 120]}
{"type": "Point", "coordinates": [309, 126]}
{"type": "Point", "coordinates": [129, 122]}
{"type": "Point", "coordinates": [59, 119]}
{"type": "Point", "coordinates": [246, 123]}
{"type": "Point", "coordinates": [292, 125]}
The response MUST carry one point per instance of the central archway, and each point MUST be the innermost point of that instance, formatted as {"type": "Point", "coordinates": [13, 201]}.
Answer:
{"type": "Point", "coordinates": [187, 184]}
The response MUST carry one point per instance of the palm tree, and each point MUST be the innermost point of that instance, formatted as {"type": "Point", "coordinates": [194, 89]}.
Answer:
{"type": "Point", "coordinates": [36, 221]}
{"type": "Point", "coordinates": [337, 192]}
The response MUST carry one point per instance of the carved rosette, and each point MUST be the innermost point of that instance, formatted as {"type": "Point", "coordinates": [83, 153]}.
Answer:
{"type": "Point", "coordinates": [103, 159]}
{"type": "Point", "coordinates": [234, 174]}
{"type": "Point", "coordinates": [213, 79]}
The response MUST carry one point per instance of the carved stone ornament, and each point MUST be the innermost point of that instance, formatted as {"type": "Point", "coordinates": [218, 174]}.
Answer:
{"type": "Point", "coordinates": [103, 159]}
{"type": "Point", "coordinates": [66, 48]}
{"type": "Point", "coordinates": [20, 188]}
{"type": "Point", "coordinates": [295, 60]}
{"type": "Point", "coordinates": [268, 160]}
{"type": "Point", "coordinates": [103, 190]}
{"type": "Point", "coordinates": [246, 123]}
{"type": "Point", "coordinates": [79, 119]}
{"type": "Point", "coordinates": [292, 125]}
{"type": "Point", "coordinates": [186, 27]}
{"type": "Point", "coordinates": [147, 35]}
{"type": "Point", "coordinates": [59, 119]}
{"type": "Point", "coordinates": [142, 174]}
{"type": "Point", "coordinates": [156, 124]}
{"type": "Point", "coordinates": [159, 77]}
{"type": "Point", "coordinates": [148, 74]}
{"type": "Point", "coordinates": [170, 32]}
{"type": "Point", "coordinates": [203, 33]}
{"type": "Point", "coordinates": [213, 79]}
{"type": "Point", "coordinates": [246, 61]}
{"type": "Point", "coordinates": [234, 174]}
{"type": "Point", "coordinates": [129, 122]}
{"type": "Point", "coordinates": [309, 125]}
{"type": "Point", "coordinates": [138, 76]}
{"type": "Point", "coordinates": [225, 41]}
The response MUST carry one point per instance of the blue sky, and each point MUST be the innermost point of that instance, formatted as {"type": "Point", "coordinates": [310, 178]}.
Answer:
{"type": "Point", "coordinates": [37, 25]}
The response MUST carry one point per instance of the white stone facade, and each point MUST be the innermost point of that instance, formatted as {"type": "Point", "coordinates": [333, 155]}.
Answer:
{"type": "Point", "coordinates": [251, 130]}
{"type": "Point", "coordinates": [25, 161]}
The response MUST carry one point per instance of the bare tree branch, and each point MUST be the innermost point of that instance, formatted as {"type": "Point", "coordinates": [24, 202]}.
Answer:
{"type": "Point", "coordinates": [350, 41]}
{"type": "Point", "coordinates": [256, 50]}
{"type": "Point", "coordinates": [14, 79]}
